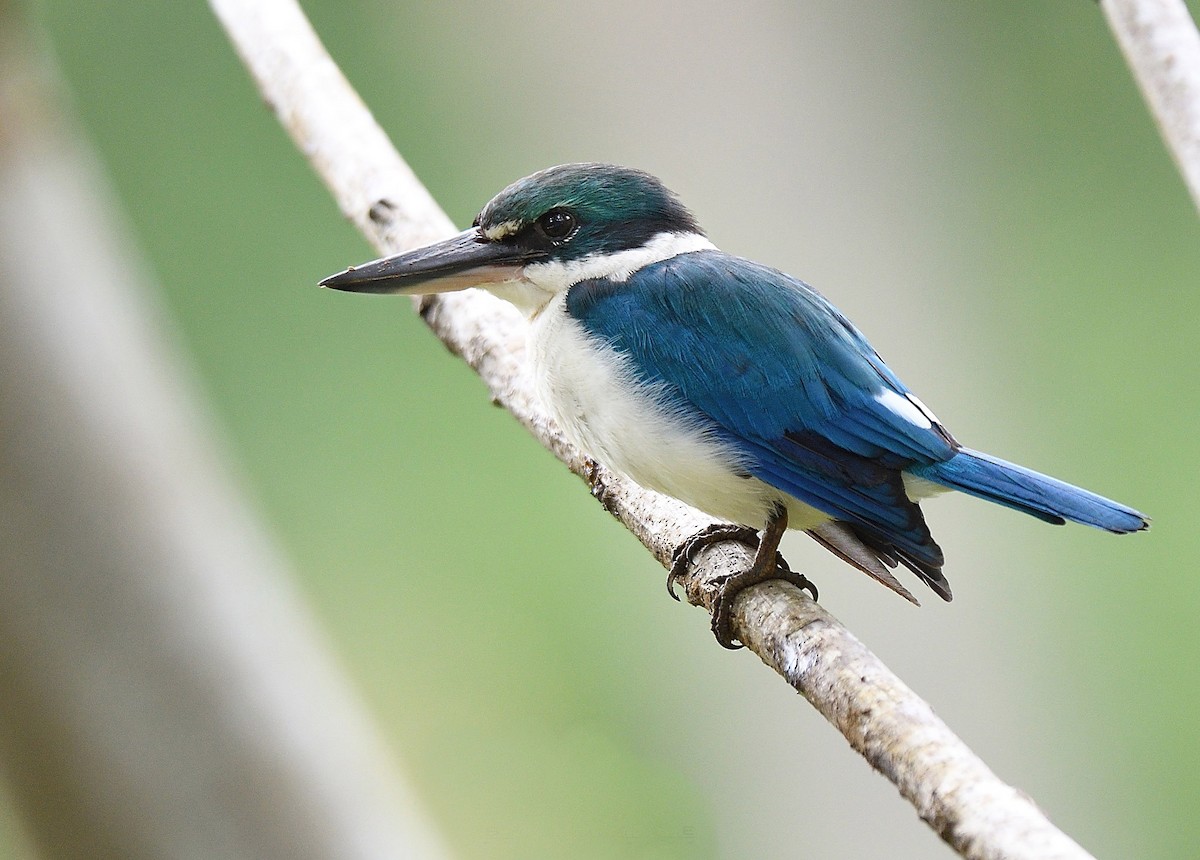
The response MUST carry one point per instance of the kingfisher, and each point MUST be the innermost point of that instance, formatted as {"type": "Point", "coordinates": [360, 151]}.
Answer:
{"type": "Point", "coordinates": [727, 384]}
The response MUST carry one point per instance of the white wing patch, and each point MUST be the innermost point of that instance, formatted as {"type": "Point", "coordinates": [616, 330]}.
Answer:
{"type": "Point", "coordinates": [925, 410]}
{"type": "Point", "coordinates": [907, 407]}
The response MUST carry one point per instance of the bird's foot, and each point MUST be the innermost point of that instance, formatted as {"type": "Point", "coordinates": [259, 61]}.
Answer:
{"type": "Point", "coordinates": [736, 583]}
{"type": "Point", "coordinates": [768, 564]}
{"type": "Point", "coordinates": [685, 554]}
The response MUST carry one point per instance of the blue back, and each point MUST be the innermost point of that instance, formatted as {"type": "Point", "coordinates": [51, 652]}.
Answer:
{"type": "Point", "coordinates": [781, 375]}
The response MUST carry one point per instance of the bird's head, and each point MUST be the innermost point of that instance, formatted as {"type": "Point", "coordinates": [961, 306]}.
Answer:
{"type": "Point", "coordinates": [542, 234]}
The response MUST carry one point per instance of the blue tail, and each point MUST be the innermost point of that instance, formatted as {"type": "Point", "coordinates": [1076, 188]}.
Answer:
{"type": "Point", "coordinates": [1028, 491]}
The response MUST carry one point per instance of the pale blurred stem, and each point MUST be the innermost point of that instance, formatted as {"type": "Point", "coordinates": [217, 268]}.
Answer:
{"type": "Point", "coordinates": [895, 730]}
{"type": "Point", "coordinates": [163, 689]}
{"type": "Point", "coordinates": [1160, 42]}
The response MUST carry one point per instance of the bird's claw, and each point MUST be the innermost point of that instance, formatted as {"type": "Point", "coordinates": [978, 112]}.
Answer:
{"type": "Point", "coordinates": [715, 533]}
{"type": "Point", "coordinates": [733, 584]}
{"type": "Point", "coordinates": [736, 583]}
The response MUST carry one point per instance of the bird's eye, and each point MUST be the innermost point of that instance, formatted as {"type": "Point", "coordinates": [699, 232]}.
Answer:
{"type": "Point", "coordinates": [557, 225]}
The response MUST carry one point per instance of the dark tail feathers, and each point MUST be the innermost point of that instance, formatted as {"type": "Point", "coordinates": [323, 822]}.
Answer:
{"type": "Point", "coordinates": [1033, 493]}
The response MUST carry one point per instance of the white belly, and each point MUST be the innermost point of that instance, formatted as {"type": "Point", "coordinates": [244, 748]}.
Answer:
{"type": "Point", "coordinates": [593, 395]}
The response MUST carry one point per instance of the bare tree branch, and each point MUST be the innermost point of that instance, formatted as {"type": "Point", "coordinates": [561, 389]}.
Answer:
{"type": "Point", "coordinates": [1161, 44]}
{"type": "Point", "coordinates": [897, 732]}
{"type": "Point", "coordinates": [164, 691]}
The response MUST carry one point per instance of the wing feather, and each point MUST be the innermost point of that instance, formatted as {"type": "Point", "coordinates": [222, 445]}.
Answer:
{"type": "Point", "coordinates": [786, 379]}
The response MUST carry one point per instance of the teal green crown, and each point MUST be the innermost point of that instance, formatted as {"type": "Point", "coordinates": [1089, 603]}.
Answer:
{"type": "Point", "coordinates": [617, 208]}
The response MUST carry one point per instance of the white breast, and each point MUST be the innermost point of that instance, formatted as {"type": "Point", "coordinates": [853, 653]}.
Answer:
{"type": "Point", "coordinates": [592, 392]}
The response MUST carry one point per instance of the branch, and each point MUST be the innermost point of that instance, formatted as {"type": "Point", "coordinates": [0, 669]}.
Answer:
{"type": "Point", "coordinates": [887, 723]}
{"type": "Point", "coordinates": [165, 691]}
{"type": "Point", "coordinates": [1160, 42]}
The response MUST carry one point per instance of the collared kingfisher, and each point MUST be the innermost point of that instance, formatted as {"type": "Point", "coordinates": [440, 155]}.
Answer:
{"type": "Point", "coordinates": [722, 382]}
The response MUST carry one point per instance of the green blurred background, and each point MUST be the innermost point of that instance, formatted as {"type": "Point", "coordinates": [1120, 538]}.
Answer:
{"type": "Point", "coordinates": [978, 185]}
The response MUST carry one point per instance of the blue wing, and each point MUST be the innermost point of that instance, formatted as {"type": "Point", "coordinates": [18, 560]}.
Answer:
{"type": "Point", "coordinates": [785, 379]}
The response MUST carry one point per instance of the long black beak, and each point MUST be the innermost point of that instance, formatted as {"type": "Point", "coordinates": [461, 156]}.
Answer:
{"type": "Point", "coordinates": [466, 260]}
